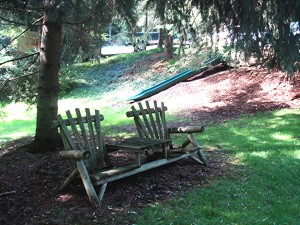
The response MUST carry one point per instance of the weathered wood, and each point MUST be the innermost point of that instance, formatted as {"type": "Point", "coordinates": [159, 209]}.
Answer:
{"type": "Point", "coordinates": [100, 175]}
{"type": "Point", "coordinates": [151, 122]}
{"type": "Point", "coordinates": [187, 129]}
{"type": "Point", "coordinates": [82, 140]}
{"type": "Point", "coordinates": [153, 125]}
{"type": "Point", "coordinates": [164, 122]}
{"type": "Point", "coordinates": [55, 123]}
{"type": "Point", "coordinates": [84, 144]}
{"type": "Point", "coordinates": [74, 129]}
{"type": "Point", "coordinates": [69, 179]}
{"type": "Point", "coordinates": [137, 144]}
{"type": "Point", "coordinates": [158, 120]}
{"type": "Point", "coordinates": [197, 160]}
{"type": "Point", "coordinates": [108, 177]}
{"type": "Point", "coordinates": [66, 132]}
{"type": "Point", "coordinates": [90, 190]}
{"type": "Point", "coordinates": [100, 154]}
{"type": "Point", "coordinates": [75, 154]}
{"type": "Point", "coordinates": [148, 128]}
{"type": "Point", "coordinates": [138, 158]}
{"type": "Point", "coordinates": [185, 143]}
{"type": "Point", "coordinates": [131, 114]}
{"type": "Point", "coordinates": [92, 137]}
{"type": "Point", "coordinates": [81, 121]}
{"type": "Point", "coordinates": [140, 125]}
{"type": "Point", "coordinates": [200, 154]}
{"type": "Point", "coordinates": [102, 191]}
{"type": "Point", "coordinates": [183, 150]}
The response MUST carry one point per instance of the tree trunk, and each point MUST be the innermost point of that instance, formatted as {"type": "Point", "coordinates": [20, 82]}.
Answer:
{"type": "Point", "coordinates": [160, 38]}
{"type": "Point", "coordinates": [46, 137]}
{"type": "Point", "coordinates": [109, 33]}
{"type": "Point", "coordinates": [168, 46]}
{"type": "Point", "coordinates": [168, 36]}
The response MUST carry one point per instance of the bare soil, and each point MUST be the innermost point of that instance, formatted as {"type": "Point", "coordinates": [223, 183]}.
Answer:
{"type": "Point", "coordinates": [29, 182]}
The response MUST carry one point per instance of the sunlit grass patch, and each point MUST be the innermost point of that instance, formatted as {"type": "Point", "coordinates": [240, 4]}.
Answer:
{"type": "Point", "coordinates": [263, 187]}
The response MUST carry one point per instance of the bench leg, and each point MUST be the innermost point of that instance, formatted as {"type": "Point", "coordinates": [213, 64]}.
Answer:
{"type": "Point", "coordinates": [165, 152]}
{"type": "Point", "coordinates": [90, 190]}
{"type": "Point", "coordinates": [69, 180]}
{"type": "Point", "coordinates": [138, 158]}
{"type": "Point", "coordinates": [102, 190]}
{"type": "Point", "coordinates": [196, 159]}
{"type": "Point", "coordinates": [199, 152]}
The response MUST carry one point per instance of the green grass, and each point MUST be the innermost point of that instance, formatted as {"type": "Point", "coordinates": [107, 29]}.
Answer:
{"type": "Point", "coordinates": [263, 187]}
{"type": "Point", "coordinates": [18, 121]}
{"type": "Point", "coordinates": [105, 77]}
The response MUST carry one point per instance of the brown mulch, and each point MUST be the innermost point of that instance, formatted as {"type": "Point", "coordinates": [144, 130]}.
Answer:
{"type": "Point", "coordinates": [29, 182]}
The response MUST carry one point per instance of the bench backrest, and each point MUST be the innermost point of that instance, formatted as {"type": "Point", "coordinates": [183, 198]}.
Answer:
{"type": "Point", "coordinates": [150, 121]}
{"type": "Point", "coordinates": [84, 133]}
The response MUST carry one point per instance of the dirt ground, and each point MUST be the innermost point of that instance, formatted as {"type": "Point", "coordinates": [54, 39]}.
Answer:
{"type": "Point", "coordinates": [29, 182]}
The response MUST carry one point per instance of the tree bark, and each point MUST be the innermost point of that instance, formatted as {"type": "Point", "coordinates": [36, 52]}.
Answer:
{"type": "Point", "coordinates": [46, 138]}
{"type": "Point", "coordinates": [160, 38]}
{"type": "Point", "coordinates": [168, 47]}
{"type": "Point", "coordinates": [168, 36]}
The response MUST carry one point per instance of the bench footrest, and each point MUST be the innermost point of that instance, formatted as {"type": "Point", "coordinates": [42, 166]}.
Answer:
{"type": "Point", "coordinates": [109, 172]}
{"type": "Point", "coordinates": [183, 150]}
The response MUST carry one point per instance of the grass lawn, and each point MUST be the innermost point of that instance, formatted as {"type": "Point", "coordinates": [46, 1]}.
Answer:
{"type": "Point", "coordinates": [263, 186]}
{"type": "Point", "coordinates": [20, 120]}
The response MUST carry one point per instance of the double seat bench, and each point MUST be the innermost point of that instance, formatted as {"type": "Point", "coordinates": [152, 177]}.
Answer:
{"type": "Point", "coordinates": [90, 157]}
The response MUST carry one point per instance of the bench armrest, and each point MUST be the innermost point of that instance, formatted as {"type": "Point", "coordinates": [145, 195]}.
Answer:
{"type": "Point", "coordinates": [75, 154]}
{"type": "Point", "coordinates": [186, 129]}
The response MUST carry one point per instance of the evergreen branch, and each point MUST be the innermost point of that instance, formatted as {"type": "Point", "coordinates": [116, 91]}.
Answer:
{"type": "Point", "coordinates": [32, 63]}
{"type": "Point", "coordinates": [38, 9]}
{"type": "Point", "coordinates": [11, 21]}
{"type": "Point", "coordinates": [20, 34]}
{"type": "Point", "coordinates": [22, 57]}
{"type": "Point", "coordinates": [16, 78]}
{"type": "Point", "coordinates": [79, 22]}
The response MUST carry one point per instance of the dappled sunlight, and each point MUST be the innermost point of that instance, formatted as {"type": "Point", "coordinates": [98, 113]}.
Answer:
{"type": "Point", "coordinates": [16, 128]}
{"type": "Point", "coordinates": [260, 135]}
{"type": "Point", "coordinates": [296, 154]}
{"type": "Point", "coordinates": [263, 154]}
{"type": "Point", "coordinates": [68, 104]}
{"type": "Point", "coordinates": [282, 137]}
{"type": "Point", "coordinates": [21, 111]}
{"type": "Point", "coordinates": [14, 135]}
{"type": "Point", "coordinates": [64, 198]}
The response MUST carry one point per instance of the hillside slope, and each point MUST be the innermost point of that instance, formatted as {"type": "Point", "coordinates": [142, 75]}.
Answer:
{"type": "Point", "coordinates": [212, 96]}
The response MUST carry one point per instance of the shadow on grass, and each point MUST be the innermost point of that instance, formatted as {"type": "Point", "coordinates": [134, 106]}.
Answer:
{"type": "Point", "coordinates": [264, 187]}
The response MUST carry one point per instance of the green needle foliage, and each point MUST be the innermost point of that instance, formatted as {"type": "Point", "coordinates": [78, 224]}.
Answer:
{"type": "Point", "coordinates": [260, 27]}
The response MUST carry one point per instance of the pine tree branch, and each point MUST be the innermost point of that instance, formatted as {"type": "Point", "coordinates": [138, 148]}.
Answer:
{"type": "Point", "coordinates": [79, 22]}
{"type": "Point", "coordinates": [11, 21]}
{"type": "Point", "coordinates": [19, 58]}
{"type": "Point", "coordinates": [20, 34]}
{"type": "Point", "coordinates": [32, 62]}
{"type": "Point", "coordinates": [5, 82]}
{"type": "Point", "coordinates": [38, 9]}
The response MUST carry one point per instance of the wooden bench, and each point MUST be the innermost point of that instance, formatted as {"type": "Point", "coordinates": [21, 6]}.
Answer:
{"type": "Point", "coordinates": [89, 156]}
{"type": "Point", "coordinates": [151, 123]}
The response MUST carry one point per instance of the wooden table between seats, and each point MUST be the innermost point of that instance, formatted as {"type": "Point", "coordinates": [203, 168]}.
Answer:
{"type": "Point", "coordinates": [139, 145]}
